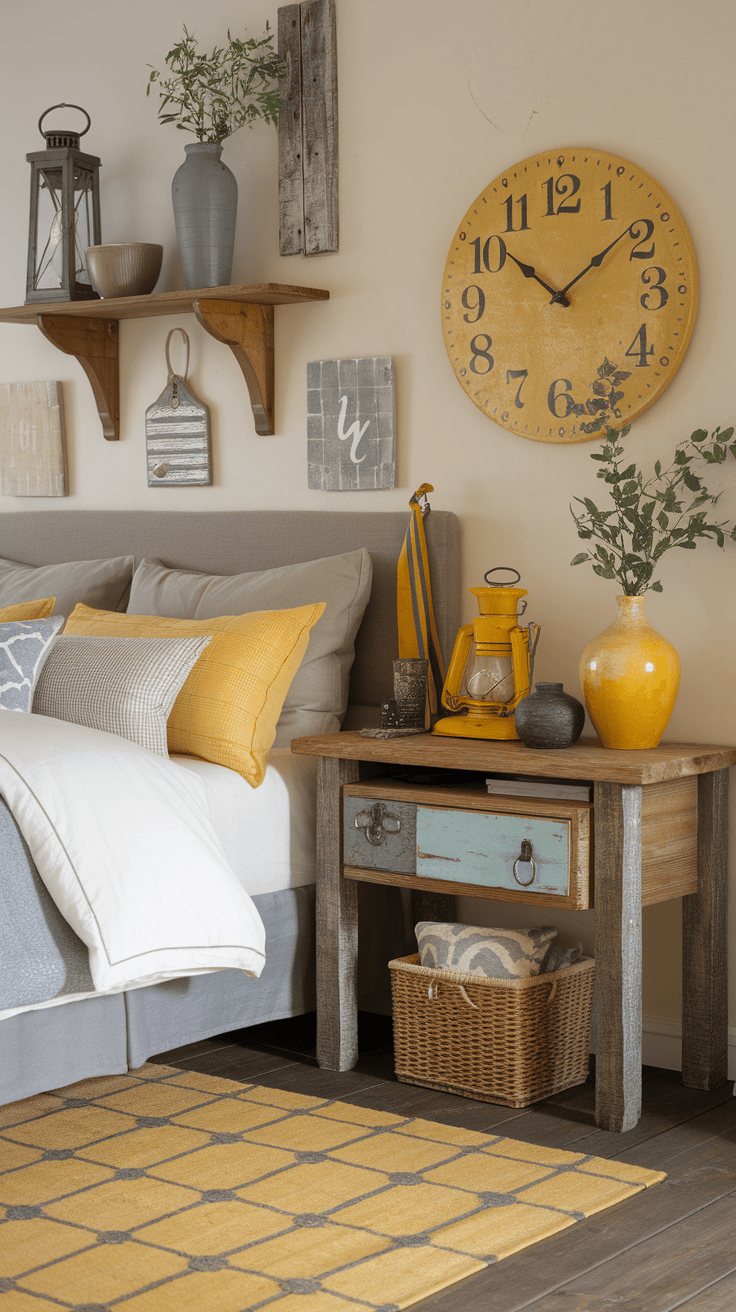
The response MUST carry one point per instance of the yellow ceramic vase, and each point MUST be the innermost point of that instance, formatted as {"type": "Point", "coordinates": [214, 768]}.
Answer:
{"type": "Point", "coordinates": [629, 676]}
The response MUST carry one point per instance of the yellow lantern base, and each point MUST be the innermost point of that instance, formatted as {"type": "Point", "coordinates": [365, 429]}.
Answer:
{"type": "Point", "coordinates": [477, 726]}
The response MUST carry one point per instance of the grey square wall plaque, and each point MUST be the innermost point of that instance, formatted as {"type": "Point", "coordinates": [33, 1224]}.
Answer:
{"type": "Point", "coordinates": [351, 424]}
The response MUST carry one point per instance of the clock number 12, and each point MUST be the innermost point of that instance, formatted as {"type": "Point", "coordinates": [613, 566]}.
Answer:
{"type": "Point", "coordinates": [566, 186]}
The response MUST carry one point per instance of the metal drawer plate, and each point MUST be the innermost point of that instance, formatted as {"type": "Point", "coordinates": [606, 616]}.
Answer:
{"type": "Point", "coordinates": [394, 847]}
{"type": "Point", "coordinates": [477, 847]}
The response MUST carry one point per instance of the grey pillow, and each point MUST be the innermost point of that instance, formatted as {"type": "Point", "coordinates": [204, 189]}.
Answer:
{"type": "Point", "coordinates": [317, 699]}
{"type": "Point", "coordinates": [125, 686]}
{"type": "Point", "coordinates": [102, 584]}
{"type": "Point", "coordinates": [24, 647]}
{"type": "Point", "coordinates": [475, 950]}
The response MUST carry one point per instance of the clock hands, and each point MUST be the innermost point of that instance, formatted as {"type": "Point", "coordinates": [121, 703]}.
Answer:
{"type": "Point", "coordinates": [558, 298]}
{"type": "Point", "coordinates": [597, 260]}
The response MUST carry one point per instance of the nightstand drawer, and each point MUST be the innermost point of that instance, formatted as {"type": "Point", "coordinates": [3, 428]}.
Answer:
{"type": "Point", "coordinates": [517, 852]}
{"type": "Point", "coordinates": [462, 841]}
{"type": "Point", "coordinates": [380, 834]}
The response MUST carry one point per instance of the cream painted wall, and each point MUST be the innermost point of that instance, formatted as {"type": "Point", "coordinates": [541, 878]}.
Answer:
{"type": "Point", "coordinates": [436, 98]}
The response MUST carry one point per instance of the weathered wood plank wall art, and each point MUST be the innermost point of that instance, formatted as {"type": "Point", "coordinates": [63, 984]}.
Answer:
{"type": "Point", "coordinates": [308, 172]}
{"type": "Point", "coordinates": [351, 424]}
{"type": "Point", "coordinates": [32, 454]}
{"type": "Point", "coordinates": [178, 444]}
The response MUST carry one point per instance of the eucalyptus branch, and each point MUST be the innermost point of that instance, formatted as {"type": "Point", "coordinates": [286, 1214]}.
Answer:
{"type": "Point", "coordinates": [671, 508]}
{"type": "Point", "coordinates": [214, 95]}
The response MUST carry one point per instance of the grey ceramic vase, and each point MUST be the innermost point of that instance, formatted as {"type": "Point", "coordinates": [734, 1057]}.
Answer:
{"type": "Point", "coordinates": [204, 194]}
{"type": "Point", "coordinates": [549, 717]}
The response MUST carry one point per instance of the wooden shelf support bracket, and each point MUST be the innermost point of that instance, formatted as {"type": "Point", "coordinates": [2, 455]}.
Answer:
{"type": "Point", "coordinates": [94, 342]}
{"type": "Point", "coordinates": [248, 330]}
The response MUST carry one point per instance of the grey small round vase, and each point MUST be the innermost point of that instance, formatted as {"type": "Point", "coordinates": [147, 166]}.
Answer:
{"type": "Point", "coordinates": [204, 194]}
{"type": "Point", "coordinates": [549, 717]}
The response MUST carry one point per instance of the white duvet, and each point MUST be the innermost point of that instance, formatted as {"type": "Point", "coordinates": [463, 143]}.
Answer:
{"type": "Point", "coordinates": [122, 840]}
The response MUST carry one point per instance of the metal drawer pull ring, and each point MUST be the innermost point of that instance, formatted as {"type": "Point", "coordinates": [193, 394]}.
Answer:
{"type": "Point", "coordinates": [525, 856]}
{"type": "Point", "coordinates": [377, 823]}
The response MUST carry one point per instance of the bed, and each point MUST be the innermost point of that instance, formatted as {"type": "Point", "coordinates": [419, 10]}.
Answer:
{"type": "Point", "coordinates": [54, 1045]}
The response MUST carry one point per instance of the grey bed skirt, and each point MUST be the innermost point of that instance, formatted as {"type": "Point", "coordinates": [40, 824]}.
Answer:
{"type": "Point", "coordinates": [56, 1046]}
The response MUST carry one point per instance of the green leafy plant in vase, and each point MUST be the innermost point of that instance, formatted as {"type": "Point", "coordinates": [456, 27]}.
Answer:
{"type": "Point", "coordinates": [212, 96]}
{"type": "Point", "coordinates": [630, 674]}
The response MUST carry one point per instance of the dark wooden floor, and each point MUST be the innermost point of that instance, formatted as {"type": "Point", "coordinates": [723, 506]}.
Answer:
{"type": "Point", "coordinates": [673, 1246]}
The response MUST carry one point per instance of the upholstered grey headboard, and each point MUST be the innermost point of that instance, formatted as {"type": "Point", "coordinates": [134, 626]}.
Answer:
{"type": "Point", "coordinates": [231, 542]}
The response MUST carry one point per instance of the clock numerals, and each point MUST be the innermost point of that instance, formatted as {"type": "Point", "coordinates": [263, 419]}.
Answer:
{"type": "Point", "coordinates": [655, 287]}
{"type": "Point", "coordinates": [508, 205]}
{"type": "Point", "coordinates": [642, 350]}
{"type": "Point", "coordinates": [564, 395]}
{"type": "Point", "coordinates": [635, 253]}
{"type": "Point", "coordinates": [481, 353]}
{"type": "Point", "coordinates": [567, 186]}
{"type": "Point", "coordinates": [480, 303]}
{"type": "Point", "coordinates": [501, 254]}
{"type": "Point", "coordinates": [523, 374]}
{"type": "Point", "coordinates": [533, 290]}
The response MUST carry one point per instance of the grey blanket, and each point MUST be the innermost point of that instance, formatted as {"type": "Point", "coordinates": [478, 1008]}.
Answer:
{"type": "Point", "coordinates": [40, 955]}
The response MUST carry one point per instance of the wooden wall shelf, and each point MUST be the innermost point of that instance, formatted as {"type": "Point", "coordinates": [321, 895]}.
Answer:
{"type": "Point", "coordinates": [241, 317]}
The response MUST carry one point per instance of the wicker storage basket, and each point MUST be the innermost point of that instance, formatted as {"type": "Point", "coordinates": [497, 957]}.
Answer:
{"type": "Point", "coordinates": [510, 1041]}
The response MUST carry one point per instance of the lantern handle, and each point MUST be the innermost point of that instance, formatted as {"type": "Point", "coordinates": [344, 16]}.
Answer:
{"type": "Point", "coordinates": [507, 569]}
{"type": "Point", "coordinates": [65, 106]}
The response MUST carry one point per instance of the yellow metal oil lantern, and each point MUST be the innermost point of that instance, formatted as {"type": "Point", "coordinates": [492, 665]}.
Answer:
{"type": "Point", "coordinates": [491, 666]}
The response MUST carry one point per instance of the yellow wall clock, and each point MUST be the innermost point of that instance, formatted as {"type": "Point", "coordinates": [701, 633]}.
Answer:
{"type": "Point", "coordinates": [570, 291]}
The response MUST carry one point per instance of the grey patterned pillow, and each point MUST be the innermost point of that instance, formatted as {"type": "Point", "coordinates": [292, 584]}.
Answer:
{"type": "Point", "coordinates": [125, 686]}
{"type": "Point", "coordinates": [475, 950]}
{"type": "Point", "coordinates": [24, 646]}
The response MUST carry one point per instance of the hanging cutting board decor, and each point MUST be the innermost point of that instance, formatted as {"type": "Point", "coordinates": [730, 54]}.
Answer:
{"type": "Point", "coordinates": [178, 448]}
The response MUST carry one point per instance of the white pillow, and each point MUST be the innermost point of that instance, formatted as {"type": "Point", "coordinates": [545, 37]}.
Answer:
{"type": "Point", "coordinates": [125, 686]}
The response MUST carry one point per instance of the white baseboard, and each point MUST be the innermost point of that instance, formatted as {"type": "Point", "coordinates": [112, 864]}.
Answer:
{"type": "Point", "coordinates": [661, 1040]}
{"type": "Point", "coordinates": [661, 1044]}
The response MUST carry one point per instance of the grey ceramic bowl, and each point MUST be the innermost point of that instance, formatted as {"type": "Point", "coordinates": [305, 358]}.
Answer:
{"type": "Point", "coordinates": [127, 268]}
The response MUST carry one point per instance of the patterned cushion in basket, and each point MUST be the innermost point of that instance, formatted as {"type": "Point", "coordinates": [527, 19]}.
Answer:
{"type": "Point", "coordinates": [472, 950]}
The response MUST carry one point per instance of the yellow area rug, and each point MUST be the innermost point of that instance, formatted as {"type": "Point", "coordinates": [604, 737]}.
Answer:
{"type": "Point", "coordinates": [169, 1191]}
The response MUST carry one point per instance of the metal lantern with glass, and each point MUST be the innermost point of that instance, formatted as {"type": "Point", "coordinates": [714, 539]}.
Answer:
{"type": "Point", "coordinates": [65, 215]}
{"type": "Point", "coordinates": [491, 666]}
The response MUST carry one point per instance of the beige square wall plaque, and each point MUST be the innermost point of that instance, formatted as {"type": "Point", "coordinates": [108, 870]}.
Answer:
{"type": "Point", "coordinates": [32, 455]}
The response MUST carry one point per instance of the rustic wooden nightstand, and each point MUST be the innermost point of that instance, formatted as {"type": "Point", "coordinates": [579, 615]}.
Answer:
{"type": "Point", "coordinates": [658, 825]}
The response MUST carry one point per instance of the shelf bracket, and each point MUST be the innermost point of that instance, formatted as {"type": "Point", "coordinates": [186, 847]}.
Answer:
{"type": "Point", "coordinates": [248, 330]}
{"type": "Point", "coordinates": [94, 342]}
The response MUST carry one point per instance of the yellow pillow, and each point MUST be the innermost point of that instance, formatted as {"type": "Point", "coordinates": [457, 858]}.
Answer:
{"type": "Point", "coordinates": [227, 710]}
{"type": "Point", "coordinates": [27, 610]}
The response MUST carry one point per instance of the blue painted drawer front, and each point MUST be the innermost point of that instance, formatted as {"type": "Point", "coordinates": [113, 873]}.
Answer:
{"type": "Point", "coordinates": [476, 847]}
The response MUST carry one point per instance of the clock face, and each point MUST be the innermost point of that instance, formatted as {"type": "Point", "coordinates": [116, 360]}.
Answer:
{"type": "Point", "coordinates": [569, 293]}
